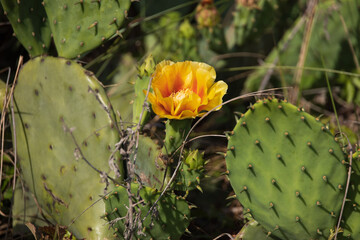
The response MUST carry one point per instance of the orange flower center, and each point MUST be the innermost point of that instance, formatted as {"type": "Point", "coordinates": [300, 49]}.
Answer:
{"type": "Point", "coordinates": [180, 95]}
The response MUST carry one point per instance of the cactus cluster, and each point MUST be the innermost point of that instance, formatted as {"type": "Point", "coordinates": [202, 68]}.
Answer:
{"type": "Point", "coordinates": [76, 26]}
{"type": "Point", "coordinates": [287, 170]}
{"type": "Point", "coordinates": [168, 220]}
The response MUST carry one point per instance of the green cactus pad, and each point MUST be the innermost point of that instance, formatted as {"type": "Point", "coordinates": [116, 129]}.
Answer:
{"type": "Point", "coordinates": [286, 170]}
{"type": "Point", "coordinates": [351, 224]}
{"type": "Point", "coordinates": [252, 230]}
{"type": "Point", "coordinates": [30, 24]}
{"type": "Point", "coordinates": [51, 95]}
{"type": "Point", "coordinates": [149, 166]}
{"type": "Point", "coordinates": [173, 213]}
{"type": "Point", "coordinates": [81, 25]}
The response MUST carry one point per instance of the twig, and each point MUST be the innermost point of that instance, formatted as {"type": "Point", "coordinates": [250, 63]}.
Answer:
{"type": "Point", "coordinates": [310, 12]}
{"type": "Point", "coordinates": [11, 97]}
{"type": "Point", "coordinates": [347, 186]}
{"type": "Point", "coordinates": [270, 71]}
{"type": "Point", "coordinates": [224, 234]}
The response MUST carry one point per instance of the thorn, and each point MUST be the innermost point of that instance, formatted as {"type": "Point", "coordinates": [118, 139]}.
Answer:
{"type": "Point", "coordinates": [33, 34]}
{"type": "Point", "coordinates": [78, 27]}
{"type": "Point", "coordinates": [297, 194]}
{"type": "Point", "coordinates": [65, 7]}
{"type": "Point", "coordinates": [331, 151]}
{"type": "Point", "coordinates": [244, 189]}
{"type": "Point", "coordinates": [271, 205]}
{"type": "Point", "coordinates": [79, 2]}
{"type": "Point", "coordinates": [250, 166]}
{"type": "Point", "coordinates": [81, 44]}
{"type": "Point", "coordinates": [267, 119]}
{"type": "Point", "coordinates": [278, 156]}
{"type": "Point", "coordinates": [257, 142]}
{"type": "Point", "coordinates": [309, 143]}
{"type": "Point", "coordinates": [93, 25]}
{"type": "Point", "coordinates": [18, 20]}
{"type": "Point", "coordinates": [302, 118]}
{"type": "Point", "coordinates": [280, 106]}
{"type": "Point", "coordinates": [286, 134]}
{"type": "Point", "coordinates": [318, 203]}
{"type": "Point", "coordinates": [243, 123]}
{"type": "Point", "coordinates": [297, 219]}
{"type": "Point", "coordinates": [319, 232]}
{"type": "Point", "coordinates": [340, 187]}
{"type": "Point", "coordinates": [231, 197]}
{"type": "Point", "coordinates": [324, 178]}
{"type": "Point", "coordinates": [113, 21]}
{"type": "Point", "coordinates": [303, 168]}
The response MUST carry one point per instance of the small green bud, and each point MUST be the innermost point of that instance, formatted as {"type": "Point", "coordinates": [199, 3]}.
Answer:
{"type": "Point", "coordinates": [148, 66]}
{"type": "Point", "coordinates": [186, 29]}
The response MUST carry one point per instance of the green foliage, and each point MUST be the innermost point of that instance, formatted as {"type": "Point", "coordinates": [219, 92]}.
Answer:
{"type": "Point", "coordinates": [286, 170]}
{"type": "Point", "coordinates": [328, 47]}
{"type": "Point", "coordinates": [56, 99]}
{"type": "Point", "coordinates": [80, 26]}
{"type": "Point", "coordinates": [168, 220]}
{"type": "Point", "coordinates": [30, 24]}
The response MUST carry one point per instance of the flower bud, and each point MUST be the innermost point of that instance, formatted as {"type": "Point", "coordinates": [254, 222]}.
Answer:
{"type": "Point", "coordinates": [207, 14]}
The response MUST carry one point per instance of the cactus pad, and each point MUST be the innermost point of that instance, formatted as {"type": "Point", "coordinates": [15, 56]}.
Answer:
{"type": "Point", "coordinates": [286, 170]}
{"type": "Point", "coordinates": [79, 26]}
{"type": "Point", "coordinates": [149, 166]}
{"type": "Point", "coordinates": [30, 24]}
{"type": "Point", "coordinates": [170, 220]}
{"type": "Point", "coordinates": [54, 96]}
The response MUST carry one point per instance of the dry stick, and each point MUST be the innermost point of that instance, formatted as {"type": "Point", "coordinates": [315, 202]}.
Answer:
{"type": "Point", "coordinates": [14, 132]}
{"type": "Point", "coordinates": [270, 71]}
{"type": "Point", "coordinates": [192, 128]}
{"type": "Point", "coordinates": [310, 11]}
{"type": "Point", "coordinates": [224, 234]}
{"type": "Point", "coordinates": [347, 186]}
{"type": "Point", "coordinates": [2, 126]}
{"type": "Point", "coordinates": [128, 190]}
{"type": "Point", "coordinates": [349, 42]}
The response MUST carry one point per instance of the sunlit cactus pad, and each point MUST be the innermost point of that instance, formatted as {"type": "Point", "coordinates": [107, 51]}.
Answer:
{"type": "Point", "coordinates": [54, 96]}
{"type": "Point", "coordinates": [169, 220]}
{"type": "Point", "coordinates": [287, 170]}
{"type": "Point", "coordinates": [81, 25]}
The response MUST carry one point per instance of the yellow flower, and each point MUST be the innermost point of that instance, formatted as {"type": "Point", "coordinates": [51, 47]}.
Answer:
{"type": "Point", "coordinates": [185, 89]}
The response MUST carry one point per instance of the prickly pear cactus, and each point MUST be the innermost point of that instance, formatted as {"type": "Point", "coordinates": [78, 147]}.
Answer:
{"type": "Point", "coordinates": [252, 230]}
{"type": "Point", "coordinates": [351, 224]}
{"type": "Point", "coordinates": [59, 103]}
{"type": "Point", "coordinates": [79, 26]}
{"type": "Point", "coordinates": [286, 170]}
{"type": "Point", "coordinates": [149, 166]}
{"type": "Point", "coordinates": [169, 221]}
{"type": "Point", "coordinates": [191, 172]}
{"type": "Point", "coordinates": [30, 24]}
